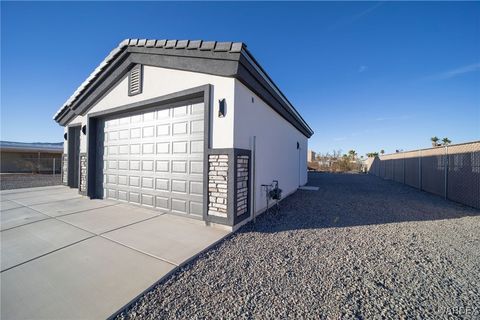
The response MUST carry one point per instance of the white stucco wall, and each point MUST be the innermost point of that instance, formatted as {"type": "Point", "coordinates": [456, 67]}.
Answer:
{"type": "Point", "coordinates": [277, 157]}
{"type": "Point", "coordinates": [79, 120]}
{"type": "Point", "coordinates": [158, 82]}
{"type": "Point", "coordinates": [65, 143]}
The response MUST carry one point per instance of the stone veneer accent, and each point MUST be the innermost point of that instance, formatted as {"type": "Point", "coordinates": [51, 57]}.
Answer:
{"type": "Point", "coordinates": [83, 173]}
{"type": "Point", "coordinates": [65, 169]}
{"type": "Point", "coordinates": [217, 184]}
{"type": "Point", "coordinates": [242, 184]}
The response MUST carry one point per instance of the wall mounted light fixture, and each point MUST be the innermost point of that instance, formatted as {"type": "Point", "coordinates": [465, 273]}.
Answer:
{"type": "Point", "coordinates": [221, 108]}
{"type": "Point", "coordinates": [84, 129]}
{"type": "Point", "coordinates": [65, 136]}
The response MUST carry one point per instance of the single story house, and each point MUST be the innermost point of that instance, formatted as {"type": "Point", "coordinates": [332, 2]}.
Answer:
{"type": "Point", "coordinates": [36, 157]}
{"type": "Point", "coordinates": [189, 127]}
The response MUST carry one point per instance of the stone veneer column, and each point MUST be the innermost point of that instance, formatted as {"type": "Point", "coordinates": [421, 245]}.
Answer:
{"type": "Point", "coordinates": [242, 184]}
{"type": "Point", "coordinates": [65, 169]}
{"type": "Point", "coordinates": [217, 184]}
{"type": "Point", "coordinates": [83, 173]}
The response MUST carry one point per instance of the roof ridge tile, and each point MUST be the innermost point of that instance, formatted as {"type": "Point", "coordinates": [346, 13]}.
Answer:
{"type": "Point", "coordinates": [171, 44]}
{"type": "Point", "coordinates": [150, 43]}
{"type": "Point", "coordinates": [181, 44]}
{"type": "Point", "coordinates": [194, 44]}
{"type": "Point", "coordinates": [215, 46]}
{"type": "Point", "coordinates": [223, 46]}
{"type": "Point", "coordinates": [207, 45]}
{"type": "Point", "coordinates": [161, 43]}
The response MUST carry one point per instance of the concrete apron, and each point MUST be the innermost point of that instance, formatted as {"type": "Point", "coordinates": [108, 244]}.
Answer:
{"type": "Point", "coordinates": [71, 257]}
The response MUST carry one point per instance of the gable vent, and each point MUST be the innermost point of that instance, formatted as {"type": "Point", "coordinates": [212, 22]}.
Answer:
{"type": "Point", "coordinates": [135, 80]}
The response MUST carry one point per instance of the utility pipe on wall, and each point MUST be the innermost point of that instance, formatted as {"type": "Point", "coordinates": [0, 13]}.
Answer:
{"type": "Point", "coordinates": [445, 168]}
{"type": "Point", "coordinates": [299, 161]}
{"type": "Point", "coordinates": [252, 208]}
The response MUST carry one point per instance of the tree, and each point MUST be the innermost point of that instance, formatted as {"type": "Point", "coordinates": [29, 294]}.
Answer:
{"type": "Point", "coordinates": [352, 154]}
{"type": "Point", "coordinates": [372, 154]}
{"type": "Point", "coordinates": [337, 154]}
{"type": "Point", "coordinates": [434, 141]}
{"type": "Point", "coordinates": [382, 151]}
{"type": "Point", "coordinates": [446, 141]}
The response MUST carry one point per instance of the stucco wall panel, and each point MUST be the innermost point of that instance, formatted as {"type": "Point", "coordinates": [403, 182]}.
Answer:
{"type": "Point", "coordinates": [81, 121]}
{"type": "Point", "coordinates": [277, 156]}
{"type": "Point", "coordinates": [160, 81]}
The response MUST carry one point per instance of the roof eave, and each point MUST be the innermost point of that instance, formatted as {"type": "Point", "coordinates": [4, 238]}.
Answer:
{"type": "Point", "coordinates": [278, 91]}
{"type": "Point", "coordinates": [230, 51]}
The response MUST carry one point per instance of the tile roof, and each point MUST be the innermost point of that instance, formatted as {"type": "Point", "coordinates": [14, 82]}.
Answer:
{"type": "Point", "coordinates": [212, 49]}
{"type": "Point", "coordinates": [216, 46]}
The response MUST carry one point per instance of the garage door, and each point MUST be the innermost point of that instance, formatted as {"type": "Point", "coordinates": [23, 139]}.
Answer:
{"type": "Point", "coordinates": [155, 158]}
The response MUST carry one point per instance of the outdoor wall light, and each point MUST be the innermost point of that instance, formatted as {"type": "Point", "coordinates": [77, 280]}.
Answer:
{"type": "Point", "coordinates": [65, 136]}
{"type": "Point", "coordinates": [298, 145]}
{"type": "Point", "coordinates": [221, 108]}
{"type": "Point", "coordinates": [84, 129]}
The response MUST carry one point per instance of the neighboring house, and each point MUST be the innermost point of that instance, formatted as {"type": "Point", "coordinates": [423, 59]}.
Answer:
{"type": "Point", "coordinates": [20, 157]}
{"type": "Point", "coordinates": [189, 127]}
{"type": "Point", "coordinates": [324, 162]}
{"type": "Point", "coordinates": [311, 156]}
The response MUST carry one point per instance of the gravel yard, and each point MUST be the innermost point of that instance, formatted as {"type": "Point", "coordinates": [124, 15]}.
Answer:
{"type": "Point", "coordinates": [360, 247]}
{"type": "Point", "coordinates": [20, 180]}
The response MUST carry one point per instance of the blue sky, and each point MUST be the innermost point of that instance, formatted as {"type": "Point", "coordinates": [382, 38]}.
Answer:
{"type": "Point", "coordinates": [365, 75]}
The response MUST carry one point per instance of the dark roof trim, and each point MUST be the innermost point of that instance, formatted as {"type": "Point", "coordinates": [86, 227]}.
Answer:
{"type": "Point", "coordinates": [277, 91]}
{"type": "Point", "coordinates": [196, 93]}
{"type": "Point", "coordinates": [216, 58]}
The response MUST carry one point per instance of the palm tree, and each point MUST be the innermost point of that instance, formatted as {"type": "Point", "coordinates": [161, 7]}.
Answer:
{"type": "Point", "coordinates": [446, 141]}
{"type": "Point", "coordinates": [352, 154]}
{"type": "Point", "coordinates": [434, 141]}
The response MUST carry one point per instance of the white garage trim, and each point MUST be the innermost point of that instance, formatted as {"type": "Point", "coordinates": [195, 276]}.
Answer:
{"type": "Point", "coordinates": [193, 95]}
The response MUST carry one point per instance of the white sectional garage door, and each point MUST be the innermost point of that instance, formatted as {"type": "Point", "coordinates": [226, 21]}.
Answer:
{"type": "Point", "coordinates": [155, 158]}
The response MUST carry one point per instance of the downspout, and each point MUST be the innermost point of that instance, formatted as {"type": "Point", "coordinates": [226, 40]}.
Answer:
{"type": "Point", "coordinates": [298, 147]}
{"type": "Point", "coordinates": [446, 168]}
{"type": "Point", "coordinates": [252, 207]}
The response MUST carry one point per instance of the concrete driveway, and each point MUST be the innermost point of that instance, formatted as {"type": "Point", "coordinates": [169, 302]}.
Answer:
{"type": "Point", "coordinates": [65, 256]}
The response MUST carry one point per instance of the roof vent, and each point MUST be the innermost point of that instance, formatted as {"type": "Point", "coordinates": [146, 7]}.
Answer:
{"type": "Point", "coordinates": [135, 80]}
